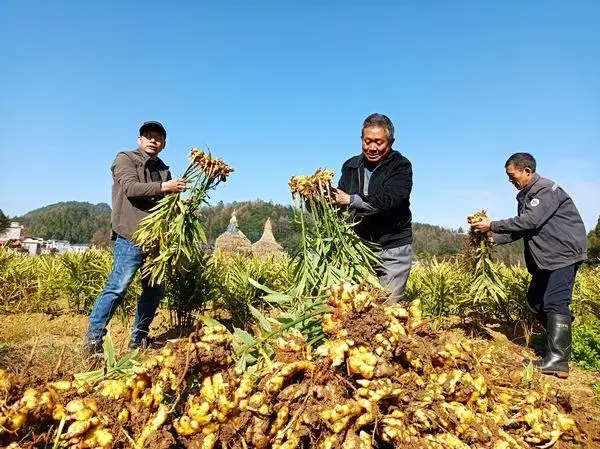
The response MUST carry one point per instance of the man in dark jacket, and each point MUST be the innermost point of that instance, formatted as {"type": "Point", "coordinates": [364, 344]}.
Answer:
{"type": "Point", "coordinates": [555, 245]}
{"type": "Point", "coordinates": [140, 179]}
{"type": "Point", "coordinates": [376, 186]}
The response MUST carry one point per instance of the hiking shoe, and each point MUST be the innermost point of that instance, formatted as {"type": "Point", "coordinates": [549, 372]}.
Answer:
{"type": "Point", "coordinates": [93, 350]}
{"type": "Point", "coordinates": [142, 343]}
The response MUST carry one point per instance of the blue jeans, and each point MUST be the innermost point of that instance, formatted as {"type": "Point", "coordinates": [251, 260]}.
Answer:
{"type": "Point", "coordinates": [127, 258]}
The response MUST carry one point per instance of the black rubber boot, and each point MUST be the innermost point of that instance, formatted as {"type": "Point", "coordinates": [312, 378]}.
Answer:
{"type": "Point", "coordinates": [556, 361]}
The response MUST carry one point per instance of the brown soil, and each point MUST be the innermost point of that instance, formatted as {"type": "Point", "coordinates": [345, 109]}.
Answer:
{"type": "Point", "coordinates": [364, 325]}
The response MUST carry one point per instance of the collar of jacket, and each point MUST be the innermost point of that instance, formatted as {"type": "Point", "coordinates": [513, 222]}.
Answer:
{"type": "Point", "coordinates": [359, 161]}
{"type": "Point", "coordinates": [145, 158]}
{"type": "Point", "coordinates": [527, 188]}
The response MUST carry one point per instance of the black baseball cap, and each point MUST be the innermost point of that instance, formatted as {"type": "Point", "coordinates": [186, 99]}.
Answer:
{"type": "Point", "coordinates": [154, 126]}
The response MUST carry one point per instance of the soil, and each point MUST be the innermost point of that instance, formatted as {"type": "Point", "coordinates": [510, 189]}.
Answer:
{"type": "Point", "coordinates": [362, 326]}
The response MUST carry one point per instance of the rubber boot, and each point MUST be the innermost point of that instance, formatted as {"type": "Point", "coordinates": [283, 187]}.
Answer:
{"type": "Point", "coordinates": [556, 361]}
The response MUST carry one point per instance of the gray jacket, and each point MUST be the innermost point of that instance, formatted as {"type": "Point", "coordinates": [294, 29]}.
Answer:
{"type": "Point", "coordinates": [549, 224]}
{"type": "Point", "coordinates": [133, 191]}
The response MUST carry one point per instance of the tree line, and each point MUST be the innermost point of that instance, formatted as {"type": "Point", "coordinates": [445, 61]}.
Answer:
{"type": "Point", "coordinates": [81, 222]}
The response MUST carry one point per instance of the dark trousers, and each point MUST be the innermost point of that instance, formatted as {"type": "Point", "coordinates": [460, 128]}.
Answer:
{"type": "Point", "coordinates": [550, 291]}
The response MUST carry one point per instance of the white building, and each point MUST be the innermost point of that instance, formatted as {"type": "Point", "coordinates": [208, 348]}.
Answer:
{"type": "Point", "coordinates": [62, 246]}
{"type": "Point", "coordinates": [33, 246]}
{"type": "Point", "coordinates": [78, 248]}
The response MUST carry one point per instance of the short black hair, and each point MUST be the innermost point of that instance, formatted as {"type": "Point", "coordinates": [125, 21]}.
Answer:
{"type": "Point", "coordinates": [521, 161]}
{"type": "Point", "coordinates": [380, 121]}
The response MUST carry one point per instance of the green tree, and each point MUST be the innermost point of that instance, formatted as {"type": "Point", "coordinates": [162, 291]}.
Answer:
{"type": "Point", "coordinates": [4, 221]}
{"type": "Point", "coordinates": [73, 221]}
{"type": "Point", "coordinates": [594, 244]}
{"type": "Point", "coordinates": [101, 238]}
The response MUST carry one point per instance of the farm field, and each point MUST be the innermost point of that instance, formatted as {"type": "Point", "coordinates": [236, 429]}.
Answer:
{"type": "Point", "coordinates": [44, 318]}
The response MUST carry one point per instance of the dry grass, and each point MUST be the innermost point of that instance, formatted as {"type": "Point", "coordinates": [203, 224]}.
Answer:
{"type": "Point", "coordinates": [51, 346]}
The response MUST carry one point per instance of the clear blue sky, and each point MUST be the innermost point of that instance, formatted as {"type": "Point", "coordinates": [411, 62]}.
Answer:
{"type": "Point", "coordinates": [279, 88]}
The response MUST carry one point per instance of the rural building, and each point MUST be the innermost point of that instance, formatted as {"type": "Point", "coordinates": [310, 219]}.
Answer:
{"type": "Point", "coordinates": [78, 248]}
{"type": "Point", "coordinates": [33, 246]}
{"type": "Point", "coordinates": [13, 232]}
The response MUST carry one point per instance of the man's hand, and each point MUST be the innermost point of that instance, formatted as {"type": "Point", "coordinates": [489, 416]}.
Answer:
{"type": "Point", "coordinates": [482, 226]}
{"type": "Point", "coordinates": [340, 197]}
{"type": "Point", "coordinates": [173, 186]}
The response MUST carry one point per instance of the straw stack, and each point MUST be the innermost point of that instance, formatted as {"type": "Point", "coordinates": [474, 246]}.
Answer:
{"type": "Point", "coordinates": [267, 245]}
{"type": "Point", "coordinates": [233, 240]}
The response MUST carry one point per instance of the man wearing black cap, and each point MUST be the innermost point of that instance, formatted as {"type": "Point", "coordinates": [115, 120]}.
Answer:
{"type": "Point", "coordinates": [140, 179]}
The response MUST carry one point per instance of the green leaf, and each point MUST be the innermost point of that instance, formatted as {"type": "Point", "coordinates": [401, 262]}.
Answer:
{"type": "Point", "coordinates": [109, 351]}
{"type": "Point", "coordinates": [209, 321]}
{"type": "Point", "coordinates": [261, 287]}
{"type": "Point", "coordinates": [244, 336]}
{"type": "Point", "coordinates": [262, 320]}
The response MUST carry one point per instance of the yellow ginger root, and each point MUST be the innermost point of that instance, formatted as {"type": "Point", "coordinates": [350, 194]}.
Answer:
{"type": "Point", "coordinates": [275, 383]}
{"type": "Point", "coordinates": [362, 361]}
{"type": "Point", "coordinates": [115, 389]}
{"type": "Point", "coordinates": [79, 427]}
{"type": "Point", "coordinates": [4, 380]}
{"type": "Point", "coordinates": [461, 414]}
{"type": "Point", "coordinates": [123, 416]}
{"type": "Point", "coordinates": [366, 441]}
{"type": "Point", "coordinates": [207, 390]}
{"type": "Point", "coordinates": [200, 412]}
{"type": "Point", "coordinates": [416, 317]}
{"type": "Point", "coordinates": [96, 437]}
{"type": "Point", "coordinates": [243, 390]}
{"type": "Point", "coordinates": [209, 441]}
{"type": "Point", "coordinates": [153, 424]}
{"type": "Point", "coordinates": [328, 442]}
{"type": "Point", "coordinates": [29, 401]}
{"type": "Point", "coordinates": [16, 421]}
{"type": "Point", "coordinates": [61, 385]}
{"type": "Point", "coordinates": [339, 417]}
{"type": "Point", "coordinates": [480, 389]}
{"type": "Point", "coordinates": [292, 340]}
{"type": "Point", "coordinates": [334, 349]}
{"type": "Point", "coordinates": [396, 311]}
{"type": "Point", "coordinates": [281, 419]}
{"type": "Point", "coordinates": [477, 217]}
{"type": "Point", "coordinates": [331, 325]}
{"type": "Point", "coordinates": [186, 426]}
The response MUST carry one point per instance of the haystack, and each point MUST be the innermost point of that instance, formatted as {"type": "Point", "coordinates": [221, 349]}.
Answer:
{"type": "Point", "coordinates": [267, 245]}
{"type": "Point", "coordinates": [233, 240]}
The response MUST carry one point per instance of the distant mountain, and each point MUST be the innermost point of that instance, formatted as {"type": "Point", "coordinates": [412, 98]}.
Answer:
{"type": "Point", "coordinates": [74, 221]}
{"type": "Point", "coordinates": [80, 222]}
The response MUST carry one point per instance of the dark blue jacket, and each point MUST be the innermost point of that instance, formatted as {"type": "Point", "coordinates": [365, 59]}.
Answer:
{"type": "Point", "coordinates": [549, 224]}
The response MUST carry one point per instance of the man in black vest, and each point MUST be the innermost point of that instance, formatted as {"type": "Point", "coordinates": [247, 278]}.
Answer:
{"type": "Point", "coordinates": [376, 186]}
{"type": "Point", "coordinates": [555, 245]}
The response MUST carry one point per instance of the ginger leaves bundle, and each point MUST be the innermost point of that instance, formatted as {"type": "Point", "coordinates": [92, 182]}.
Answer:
{"type": "Point", "coordinates": [487, 285]}
{"type": "Point", "coordinates": [331, 250]}
{"type": "Point", "coordinates": [172, 233]}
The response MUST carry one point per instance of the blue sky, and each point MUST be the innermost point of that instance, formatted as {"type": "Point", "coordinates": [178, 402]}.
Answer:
{"type": "Point", "coordinates": [279, 88]}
